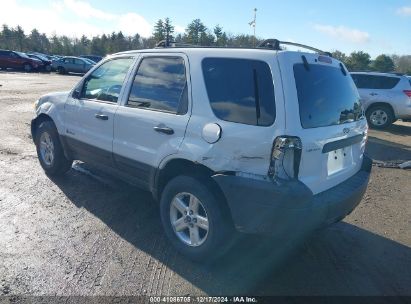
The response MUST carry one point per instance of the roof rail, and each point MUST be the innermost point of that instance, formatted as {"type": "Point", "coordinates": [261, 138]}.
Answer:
{"type": "Point", "coordinates": [378, 72]}
{"type": "Point", "coordinates": [275, 44]}
{"type": "Point", "coordinates": [167, 43]}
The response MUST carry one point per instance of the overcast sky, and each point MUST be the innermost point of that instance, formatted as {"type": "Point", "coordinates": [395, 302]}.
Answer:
{"type": "Point", "coordinates": [376, 27]}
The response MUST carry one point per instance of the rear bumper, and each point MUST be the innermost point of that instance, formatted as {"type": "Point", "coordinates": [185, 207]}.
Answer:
{"type": "Point", "coordinates": [290, 208]}
{"type": "Point", "coordinates": [404, 111]}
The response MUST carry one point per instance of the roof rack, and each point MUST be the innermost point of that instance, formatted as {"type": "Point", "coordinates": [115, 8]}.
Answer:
{"type": "Point", "coordinates": [167, 43]}
{"type": "Point", "coordinates": [272, 44]}
{"type": "Point", "coordinates": [275, 44]}
{"type": "Point", "coordinates": [378, 72]}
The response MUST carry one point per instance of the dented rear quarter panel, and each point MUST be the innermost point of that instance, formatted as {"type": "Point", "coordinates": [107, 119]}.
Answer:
{"type": "Point", "coordinates": [241, 148]}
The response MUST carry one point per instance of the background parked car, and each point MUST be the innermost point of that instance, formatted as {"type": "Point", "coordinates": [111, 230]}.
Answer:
{"type": "Point", "coordinates": [55, 57]}
{"type": "Point", "coordinates": [46, 62]}
{"type": "Point", "coordinates": [95, 58]}
{"type": "Point", "coordinates": [385, 97]}
{"type": "Point", "coordinates": [72, 64]}
{"type": "Point", "coordinates": [18, 60]}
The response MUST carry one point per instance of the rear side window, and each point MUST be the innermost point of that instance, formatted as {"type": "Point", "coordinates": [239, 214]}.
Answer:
{"type": "Point", "coordinates": [160, 84]}
{"type": "Point", "coordinates": [240, 90]}
{"type": "Point", "coordinates": [363, 81]}
{"type": "Point", "coordinates": [326, 96]}
{"type": "Point", "coordinates": [78, 61]}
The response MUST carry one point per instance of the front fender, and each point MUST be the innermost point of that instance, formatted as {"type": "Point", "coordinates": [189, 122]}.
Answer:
{"type": "Point", "coordinates": [52, 106]}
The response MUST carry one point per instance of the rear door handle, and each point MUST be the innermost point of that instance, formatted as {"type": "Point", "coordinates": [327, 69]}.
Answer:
{"type": "Point", "coordinates": [373, 94]}
{"type": "Point", "coordinates": [101, 116]}
{"type": "Point", "coordinates": [164, 129]}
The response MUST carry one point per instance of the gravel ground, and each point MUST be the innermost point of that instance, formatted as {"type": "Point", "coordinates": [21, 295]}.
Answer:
{"type": "Point", "coordinates": [89, 234]}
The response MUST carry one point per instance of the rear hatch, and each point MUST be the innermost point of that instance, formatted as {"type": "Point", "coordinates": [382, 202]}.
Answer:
{"type": "Point", "coordinates": [323, 109]}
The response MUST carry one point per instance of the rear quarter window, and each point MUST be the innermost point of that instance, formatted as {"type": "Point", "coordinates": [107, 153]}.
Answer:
{"type": "Point", "coordinates": [240, 90]}
{"type": "Point", "coordinates": [363, 81]}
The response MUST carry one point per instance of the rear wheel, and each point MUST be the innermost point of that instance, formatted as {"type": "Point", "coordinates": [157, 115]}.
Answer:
{"type": "Point", "coordinates": [193, 219]}
{"type": "Point", "coordinates": [380, 116]}
{"type": "Point", "coordinates": [61, 70]}
{"type": "Point", "coordinates": [48, 68]}
{"type": "Point", "coordinates": [50, 151]}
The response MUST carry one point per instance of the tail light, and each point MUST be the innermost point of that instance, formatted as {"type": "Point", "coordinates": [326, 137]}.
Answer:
{"type": "Point", "coordinates": [408, 93]}
{"type": "Point", "coordinates": [285, 158]}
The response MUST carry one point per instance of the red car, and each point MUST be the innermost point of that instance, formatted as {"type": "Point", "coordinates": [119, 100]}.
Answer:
{"type": "Point", "coordinates": [18, 60]}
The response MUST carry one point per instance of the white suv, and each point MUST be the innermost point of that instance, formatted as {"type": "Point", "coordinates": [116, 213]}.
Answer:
{"type": "Point", "coordinates": [263, 140]}
{"type": "Point", "coordinates": [385, 97]}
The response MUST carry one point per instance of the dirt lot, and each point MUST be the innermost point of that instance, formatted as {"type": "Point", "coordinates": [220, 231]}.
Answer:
{"type": "Point", "coordinates": [88, 234]}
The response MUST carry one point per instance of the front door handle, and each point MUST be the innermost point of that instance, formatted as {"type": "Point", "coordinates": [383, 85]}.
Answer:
{"type": "Point", "coordinates": [164, 129]}
{"type": "Point", "coordinates": [373, 94]}
{"type": "Point", "coordinates": [101, 116]}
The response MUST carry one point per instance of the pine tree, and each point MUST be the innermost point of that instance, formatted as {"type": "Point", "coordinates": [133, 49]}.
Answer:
{"type": "Point", "coordinates": [196, 32]}
{"type": "Point", "coordinates": [158, 33]}
{"type": "Point", "coordinates": [168, 30]}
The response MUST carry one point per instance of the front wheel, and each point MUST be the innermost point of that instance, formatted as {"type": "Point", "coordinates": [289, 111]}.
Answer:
{"type": "Point", "coordinates": [380, 116]}
{"type": "Point", "coordinates": [27, 68]}
{"type": "Point", "coordinates": [194, 219]}
{"type": "Point", "coordinates": [50, 151]}
{"type": "Point", "coordinates": [61, 70]}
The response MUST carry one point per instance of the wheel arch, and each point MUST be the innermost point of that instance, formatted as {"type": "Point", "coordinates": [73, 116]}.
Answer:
{"type": "Point", "coordinates": [371, 105]}
{"type": "Point", "coordinates": [37, 121]}
{"type": "Point", "coordinates": [180, 166]}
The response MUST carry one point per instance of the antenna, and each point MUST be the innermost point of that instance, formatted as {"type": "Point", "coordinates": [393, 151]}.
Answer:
{"type": "Point", "coordinates": [253, 24]}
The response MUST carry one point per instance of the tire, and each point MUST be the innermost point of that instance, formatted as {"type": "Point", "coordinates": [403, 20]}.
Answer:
{"type": "Point", "coordinates": [27, 67]}
{"type": "Point", "coordinates": [61, 70]}
{"type": "Point", "coordinates": [48, 68]}
{"type": "Point", "coordinates": [380, 116]}
{"type": "Point", "coordinates": [212, 242]}
{"type": "Point", "coordinates": [50, 151]}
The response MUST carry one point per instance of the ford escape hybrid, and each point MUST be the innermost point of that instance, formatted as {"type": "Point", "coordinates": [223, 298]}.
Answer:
{"type": "Point", "coordinates": [261, 140]}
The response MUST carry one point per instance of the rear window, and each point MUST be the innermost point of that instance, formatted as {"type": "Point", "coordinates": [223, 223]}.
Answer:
{"type": "Point", "coordinates": [240, 90]}
{"type": "Point", "coordinates": [326, 96]}
{"type": "Point", "coordinates": [363, 81]}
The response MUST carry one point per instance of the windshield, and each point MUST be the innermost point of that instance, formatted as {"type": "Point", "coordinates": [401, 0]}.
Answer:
{"type": "Point", "coordinates": [41, 57]}
{"type": "Point", "coordinates": [89, 61]}
{"type": "Point", "coordinates": [22, 55]}
{"type": "Point", "coordinates": [326, 96]}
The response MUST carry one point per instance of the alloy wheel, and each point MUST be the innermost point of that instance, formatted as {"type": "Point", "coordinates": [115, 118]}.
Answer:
{"type": "Point", "coordinates": [46, 148]}
{"type": "Point", "coordinates": [189, 219]}
{"type": "Point", "coordinates": [379, 117]}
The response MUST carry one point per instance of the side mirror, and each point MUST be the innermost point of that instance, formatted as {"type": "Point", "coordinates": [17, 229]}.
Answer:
{"type": "Point", "coordinates": [76, 93]}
